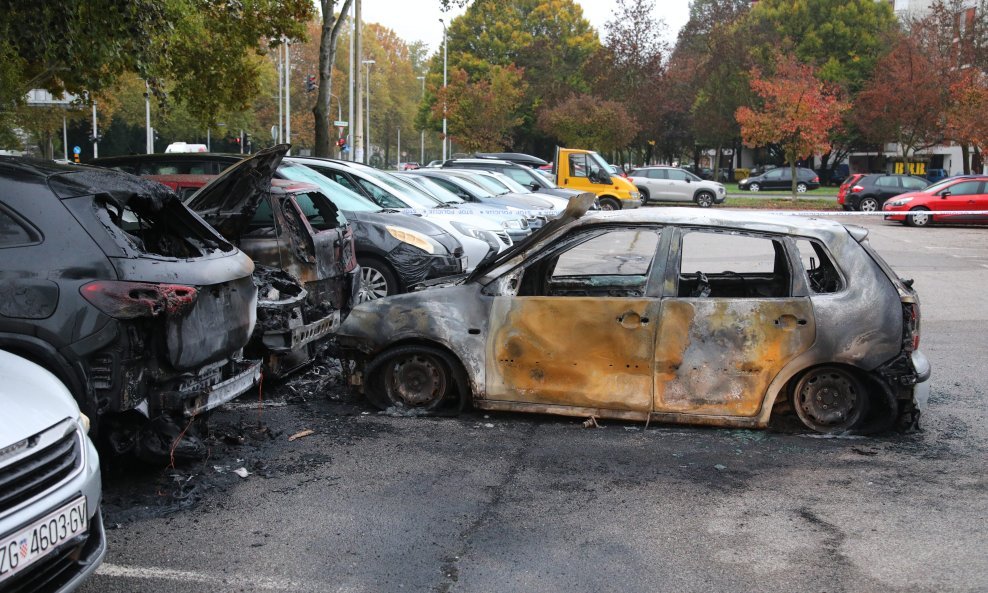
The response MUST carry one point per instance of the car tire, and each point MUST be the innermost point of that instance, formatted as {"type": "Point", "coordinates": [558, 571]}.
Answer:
{"type": "Point", "coordinates": [609, 203]}
{"type": "Point", "coordinates": [376, 280]}
{"type": "Point", "coordinates": [868, 204]}
{"type": "Point", "coordinates": [919, 220]}
{"type": "Point", "coordinates": [753, 187]}
{"type": "Point", "coordinates": [830, 399]}
{"type": "Point", "coordinates": [415, 377]}
{"type": "Point", "coordinates": [704, 199]}
{"type": "Point", "coordinates": [645, 195]}
{"type": "Point", "coordinates": [801, 188]}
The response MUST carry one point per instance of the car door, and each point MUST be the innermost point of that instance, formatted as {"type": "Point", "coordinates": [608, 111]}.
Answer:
{"type": "Point", "coordinates": [579, 330]}
{"type": "Point", "coordinates": [652, 180]}
{"type": "Point", "coordinates": [886, 186]}
{"type": "Point", "coordinates": [680, 186]}
{"type": "Point", "coordinates": [962, 196]}
{"type": "Point", "coordinates": [774, 179]}
{"type": "Point", "coordinates": [729, 323]}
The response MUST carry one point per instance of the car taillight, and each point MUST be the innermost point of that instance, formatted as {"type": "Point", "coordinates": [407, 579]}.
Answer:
{"type": "Point", "coordinates": [910, 326]}
{"type": "Point", "coordinates": [856, 189]}
{"type": "Point", "coordinates": [816, 179]}
{"type": "Point", "coordinates": [130, 300]}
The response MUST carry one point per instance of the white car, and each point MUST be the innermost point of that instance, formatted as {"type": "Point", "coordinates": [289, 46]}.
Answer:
{"type": "Point", "coordinates": [672, 184]}
{"type": "Point", "coordinates": [51, 531]}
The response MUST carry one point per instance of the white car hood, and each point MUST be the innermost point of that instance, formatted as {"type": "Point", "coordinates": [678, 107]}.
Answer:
{"type": "Point", "coordinates": [32, 399]}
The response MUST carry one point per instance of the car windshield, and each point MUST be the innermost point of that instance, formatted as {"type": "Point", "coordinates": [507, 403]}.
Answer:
{"type": "Point", "coordinates": [471, 186]}
{"type": "Point", "coordinates": [513, 185]}
{"type": "Point", "coordinates": [490, 184]}
{"type": "Point", "coordinates": [939, 185]}
{"type": "Point", "coordinates": [601, 164]}
{"type": "Point", "coordinates": [437, 191]}
{"type": "Point", "coordinates": [691, 176]}
{"type": "Point", "coordinates": [341, 196]}
{"type": "Point", "coordinates": [411, 195]}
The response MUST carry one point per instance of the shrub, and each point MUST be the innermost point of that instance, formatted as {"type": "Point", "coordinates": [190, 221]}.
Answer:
{"type": "Point", "coordinates": [740, 174]}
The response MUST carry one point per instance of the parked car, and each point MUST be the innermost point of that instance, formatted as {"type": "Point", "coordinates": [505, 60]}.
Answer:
{"type": "Point", "coordinates": [51, 530]}
{"type": "Point", "coordinates": [514, 157]}
{"type": "Point", "coordinates": [934, 175]}
{"type": "Point", "coordinates": [410, 166]}
{"type": "Point", "coordinates": [433, 164]}
{"type": "Point", "coordinates": [501, 185]}
{"type": "Point", "coordinates": [135, 303]}
{"type": "Point", "coordinates": [706, 173]}
{"type": "Point", "coordinates": [951, 201]}
{"type": "Point", "coordinates": [671, 315]}
{"type": "Point", "coordinates": [835, 176]}
{"type": "Point", "coordinates": [525, 175]}
{"type": "Point", "coordinates": [781, 178]}
{"type": "Point", "coordinates": [392, 259]}
{"type": "Point", "coordinates": [845, 187]}
{"type": "Point", "coordinates": [303, 248]}
{"type": "Point", "coordinates": [869, 192]}
{"type": "Point", "coordinates": [672, 184]}
{"type": "Point", "coordinates": [587, 171]}
{"type": "Point", "coordinates": [190, 163]}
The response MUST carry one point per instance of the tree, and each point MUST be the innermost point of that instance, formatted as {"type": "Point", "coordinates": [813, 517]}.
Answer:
{"type": "Point", "coordinates": [966, 120]}
{"type": "Point", "coordinates": [905, 101]}
{"type": "Point", "coordinates": [481, 115]}
{"type": "Point", "coordinates": [796, 112]}
{"type": "Point", "coordinates": [585, 121]}
{"type": "Point", "coordinates": [332, 23]}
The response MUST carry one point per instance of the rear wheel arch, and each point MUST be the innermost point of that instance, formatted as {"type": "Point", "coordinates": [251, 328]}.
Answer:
{"type": "Point", "coordinates": [881, 407]}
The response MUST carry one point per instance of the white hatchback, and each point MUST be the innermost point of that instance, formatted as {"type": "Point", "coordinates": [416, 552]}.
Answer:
{"type": "Point", "coordinates": [51, 531]}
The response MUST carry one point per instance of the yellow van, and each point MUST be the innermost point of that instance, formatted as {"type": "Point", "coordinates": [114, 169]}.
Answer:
{"type": "Point", "coordinates": [586, 171]}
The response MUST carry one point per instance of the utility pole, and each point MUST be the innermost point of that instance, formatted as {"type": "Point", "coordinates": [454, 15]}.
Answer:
{"type": "Point", "coordinates": [149, 133]}
{"type": "Point", "coordinates": [95, 133]}
{"type": "Point", "coordinates": [399, 150]}
{"type": "Point", "coordinates": [281, 112]}
{"type": "Point", "coordinates": [358, 114]}
{"type": "Point", "coordinates": [422, 133]}
{"type": "Point", "coordinates": [288, 95]}
{"type": "Point", "coordinates": [444, 89]}
{"type": "Point", "coordinates": [367, 143]}
{"type": "Point", "coordinates": [349, 129]}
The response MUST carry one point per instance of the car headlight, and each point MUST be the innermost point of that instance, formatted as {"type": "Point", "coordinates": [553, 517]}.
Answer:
{"type": "Point", "coordinates": [516, 223]}
{"type": "Point", "coordinates": [745, 180]}
{"type": "Point", "coordinates": [900, 202]}
{"type": "Point", "coordinates": [84, 422]}
{"type": "Point", "coordinates": [635, 195]}
{"type": "Point", "coordinates": [414, 238]}
{"type": "Point", "coordinates": [469, 230]}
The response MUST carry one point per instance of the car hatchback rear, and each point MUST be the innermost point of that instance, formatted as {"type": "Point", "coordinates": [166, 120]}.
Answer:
{"type": "Point", "coordinates": [136, 304]}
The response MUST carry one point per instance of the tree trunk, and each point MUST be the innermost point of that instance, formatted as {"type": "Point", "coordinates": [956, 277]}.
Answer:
{"type": "Point", "coordinates": [331, 26]}
{"type": "Point", "coordinates": [792, 173]}
{"type": "Point", "coordinates": [966, 157]}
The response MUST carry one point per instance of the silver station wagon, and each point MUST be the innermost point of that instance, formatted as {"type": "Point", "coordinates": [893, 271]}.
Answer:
{"type": "Point", "coordinates": [673, 315]}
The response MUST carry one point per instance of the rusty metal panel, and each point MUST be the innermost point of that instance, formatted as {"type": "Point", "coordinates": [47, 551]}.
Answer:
{"type": "Point", "coordinates": [718, 356]}
{"type": "Point", "coordinates": [574, 351]}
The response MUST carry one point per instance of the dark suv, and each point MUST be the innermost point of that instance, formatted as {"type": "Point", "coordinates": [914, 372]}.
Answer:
{"type": "Point", "coordinates": [135, 303]}
{"type": "Point", "coordinates": [868, 193]}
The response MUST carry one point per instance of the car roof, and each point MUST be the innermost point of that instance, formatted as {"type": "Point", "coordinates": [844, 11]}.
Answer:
{"type": "Point", "coordinates": [754, 221]}
{"type": "Point", "coordinates": [224, 157]}
{"type": "Point", "coordinates": [481, 162]}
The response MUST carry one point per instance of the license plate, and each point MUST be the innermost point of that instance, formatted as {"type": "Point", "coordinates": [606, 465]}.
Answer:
{"type": "Point", "coordinates": [22, 548]}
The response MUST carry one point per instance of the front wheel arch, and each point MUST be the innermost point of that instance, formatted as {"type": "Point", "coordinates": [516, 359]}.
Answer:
{"type": "Point", "coordinates": [457, 370]}
{"type": "Point", "coordinates": [611, 201]}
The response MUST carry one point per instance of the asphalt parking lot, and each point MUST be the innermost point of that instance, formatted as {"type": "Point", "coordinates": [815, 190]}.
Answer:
{"type": "Point", "coordinates": [507, 502]}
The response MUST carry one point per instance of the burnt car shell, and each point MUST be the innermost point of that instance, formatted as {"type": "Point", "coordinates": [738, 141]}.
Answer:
{"type": "Point", "coordinates": [296, 236]}
{"type": "Point", "coordinates": [665, 349]}
{"type": "Point", "coordinates": [130, 298]}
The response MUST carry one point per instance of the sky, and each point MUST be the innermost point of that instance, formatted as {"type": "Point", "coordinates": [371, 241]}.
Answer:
{"type": "Point", "coordinates": [418, 20]}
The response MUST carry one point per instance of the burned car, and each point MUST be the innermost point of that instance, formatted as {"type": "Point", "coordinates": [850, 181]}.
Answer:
{"type": "Point", "coordinates": [670, 315]}
{"type": "Point", "coordinates": [307, 272]}
{"type": "Point", "coordinates": [134, 302]}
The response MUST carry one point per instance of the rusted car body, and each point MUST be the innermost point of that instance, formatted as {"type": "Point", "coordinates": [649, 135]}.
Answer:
{"type": "Point", "coordinates": [672, 315]}
{"type": "Point", "coordinates": [139, 307]}
{"type": "Point", "coordinates": [307, 273]}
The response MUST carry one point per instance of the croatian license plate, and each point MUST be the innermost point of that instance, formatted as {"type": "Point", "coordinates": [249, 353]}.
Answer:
{"type": "Point", "coordinates": [22, 548]}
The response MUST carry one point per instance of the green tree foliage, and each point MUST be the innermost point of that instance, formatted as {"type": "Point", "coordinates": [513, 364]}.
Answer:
{"type": "Point", "coordinates": [585, 121]}
{"type": "Point", "coordinates": [843, 39]}
{"type": "Point", "coordinates": [481, 114]}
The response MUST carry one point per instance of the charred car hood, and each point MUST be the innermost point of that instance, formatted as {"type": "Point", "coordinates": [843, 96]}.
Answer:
{"type": "Point", "coordinates": [577, 207]}
{"type": "Point", "coordinates": [230, 200]}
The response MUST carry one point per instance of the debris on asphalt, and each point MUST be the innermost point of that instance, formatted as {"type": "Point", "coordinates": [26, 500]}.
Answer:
{"type": "Point", "coordinates": [591, 422]}
{"type": "Point", "coordinates": [242, 472]}
{"type": "Point", "coordinates": [720, 467]}
{"type": "Point", "coordinates": [301, 434]}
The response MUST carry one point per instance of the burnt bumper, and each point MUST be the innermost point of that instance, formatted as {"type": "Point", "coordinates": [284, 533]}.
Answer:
{"type": "Point", "coordinates": [196, 397]}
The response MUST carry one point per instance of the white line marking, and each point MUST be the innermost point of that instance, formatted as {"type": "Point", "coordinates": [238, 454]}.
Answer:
{"type": "Point", "coordinates": [249, 582]}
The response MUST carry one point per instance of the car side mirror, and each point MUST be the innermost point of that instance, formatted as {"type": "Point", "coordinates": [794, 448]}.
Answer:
{"type": "Point", "coordinates": [944, 194]}
{"type": "Point", "coordinates": [688, 180]}
{"type": "Point", "coordinates": [534, 186]}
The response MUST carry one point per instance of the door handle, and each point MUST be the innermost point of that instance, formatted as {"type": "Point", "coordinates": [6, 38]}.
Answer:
{"type": "Point", "coordinates": [789, 322]}
{"type": "Point", "coordinates": [631, 320]}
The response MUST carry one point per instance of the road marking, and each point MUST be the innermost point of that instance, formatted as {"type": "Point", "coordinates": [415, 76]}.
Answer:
{"type": "Point", "coordinates": [223, 581]}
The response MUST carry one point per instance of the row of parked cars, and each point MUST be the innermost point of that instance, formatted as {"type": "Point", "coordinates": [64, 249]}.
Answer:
{"type": "Point", "coordinates": [914, 201]}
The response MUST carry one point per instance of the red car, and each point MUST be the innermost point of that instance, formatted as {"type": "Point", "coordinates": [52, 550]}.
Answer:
{"type": "Point", "coordinates": [943, 202]}
{"type": "Point", "coordinates": [845, 188]}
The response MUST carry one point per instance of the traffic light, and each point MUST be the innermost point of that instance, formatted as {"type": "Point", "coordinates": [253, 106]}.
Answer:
{"type": "Point", "coordinates": [310, 83]}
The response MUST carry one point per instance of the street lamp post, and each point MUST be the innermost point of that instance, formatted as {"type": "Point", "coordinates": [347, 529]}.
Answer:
{"type": "Point", "coordinates": [444, 89]}
{"type": "Point", "coordinates": [367, 142]}
{"type": "Point", "coordinates": [422, 133]}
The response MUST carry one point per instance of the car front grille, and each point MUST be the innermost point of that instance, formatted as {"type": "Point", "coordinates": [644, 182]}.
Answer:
{"type": "Point", "coordinates": [503, 236]}
{"type": "Point", "coordinates": [58, 454]}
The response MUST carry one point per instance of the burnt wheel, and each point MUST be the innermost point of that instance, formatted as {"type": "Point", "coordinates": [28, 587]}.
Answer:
{"type": "Point", "coordinates": [376, 280]}
{"type": "Point", "coordinates": [829, 399]}
{"type": "Point", "coordinates": [412, 377]}
{"type": "Point", "coordinates": [920, 218]}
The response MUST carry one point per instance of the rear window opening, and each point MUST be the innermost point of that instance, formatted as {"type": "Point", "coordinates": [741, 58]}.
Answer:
{"type": "Point", "coordinates": [158, 227]}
